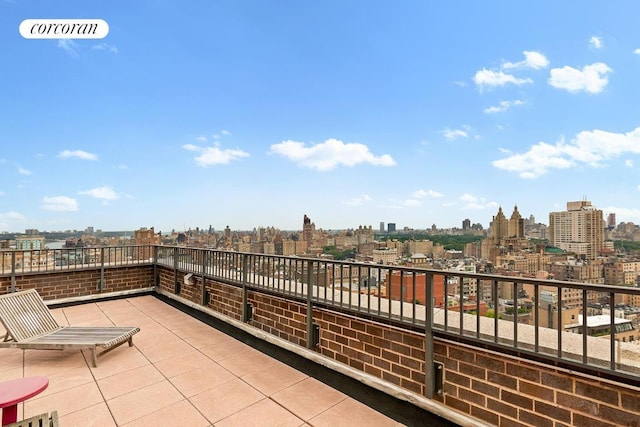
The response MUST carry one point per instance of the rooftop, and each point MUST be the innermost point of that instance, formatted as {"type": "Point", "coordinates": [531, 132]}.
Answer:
{"type": "Point", "coordinates": [180, 371]}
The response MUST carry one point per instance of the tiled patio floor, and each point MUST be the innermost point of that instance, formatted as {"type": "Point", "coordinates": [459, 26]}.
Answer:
{"type": "Point", "coordinates": [181, 372]}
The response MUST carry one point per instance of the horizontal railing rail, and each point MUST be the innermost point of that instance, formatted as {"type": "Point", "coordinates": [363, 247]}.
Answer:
{"type": "Point", "coordinates": [40, 261]}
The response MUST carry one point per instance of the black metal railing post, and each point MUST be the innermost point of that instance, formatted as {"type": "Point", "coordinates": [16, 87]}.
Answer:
{"type": "Point", "coordinates": [13, 288]}
{"type": "Point", "coordinates": [176, 284]}
{"type": "Point", "coordinates": [247, 311]}
{"type": "Point", "coordinates": [310, 328]}
{"type": "Point", "coordinates": [101, 280]}
{"type": "Point", "coordinates": [204, 298]}
{"type": "Point", "coordinates": [156, 273]}
{"type": "Point", "coordinates": [432, 371]}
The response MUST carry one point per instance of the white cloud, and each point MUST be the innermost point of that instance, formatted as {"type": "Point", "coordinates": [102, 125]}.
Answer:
{"type": "Point", "coordinates": [215, 155]}
{"type": "Point", "coordinates": [488, 78]}
{"type": "Point", "coordinates": [225, 132]}
{"type": "Point", "coordinates": [590, 148]}
{"type": "Point", "coordinates": [9, 219]}
{"type": "Point", "coordinates": [329, 154]}
{"type": "Point", "coordinates": [122, 166]}
{"type": "Point", "coordinates": [503, 106]}
{"type": "Point", "coordinates": [411, 203]}
{"type": "Point", "coordinates": [105, 46]}
{"type": "Point", "coordinates": [592, 78]}
{"type": "Point", "coordinates": [628, 163]}
{"type": "Point", "coordinates": [637, 51]}
{"type": "Point", "coordinates": [77, 154]}
{"type": "Point", "coordinates": [104, 192]}
{"type": "Point", "coordinates": [595, 42]}
{"type": "Point", "coordinates": [469, 198]}
{"type": "Point", "coordinates": [23, 171]}
{"type": "Point", "coordinates": [59, 204]}
{"type": "Point", "coordinates": [452, 134]}
{"type": "Point", "coordinates": [471, 202]}
{"type": "Point", "coordinates": [357, 201]}
{"type": "Point", "coordinates": [202, 138]}
{"type": "Point", "coordinates": [532, 59]}
{"type": "Point", "coordinates": [418, 195]}
{"type": "Point", "coordinates": [626, 213]}
{"type": "Point", "coordinates": [69, 46]}
{"type": "Point", "coordinates": [424, 193]}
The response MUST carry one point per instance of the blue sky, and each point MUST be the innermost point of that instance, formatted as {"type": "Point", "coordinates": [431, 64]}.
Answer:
{"type": "Point", "coordinates": [253, 113]}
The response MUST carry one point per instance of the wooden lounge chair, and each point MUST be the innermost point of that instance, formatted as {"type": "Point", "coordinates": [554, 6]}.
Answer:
{"type": "Point", "coordinates": [42, 420]}
{"type": "Point", "coordinates": [30, 325]}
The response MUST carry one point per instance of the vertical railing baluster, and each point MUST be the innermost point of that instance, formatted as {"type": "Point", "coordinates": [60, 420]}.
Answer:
{"type": "Point", "coordinates": [515, 314]}
{"type": "Point", "coordinates": [310, 343]}
{"type": "Point", "coordinates": [584, 326]}
{"type": "Point", "coordinates": [390, 292]}
{"type": "Point", "coordinates": [350, 284]}
{"type": "Point", "coordinates": [13, 287]}
{"type": "Point", "coordinates": [478, 294]}
{"type": "Point", "coordinates": [402, 294]}
{"type": "Point", "coordinates": [429, 368]}
{"type": "Point", "coordinates": [203, 295]}
{"type": "Point", "coordinates": [536, 320]}
{"type": "Point", "coordinates": [494, 296]}
{"type": "Point", "coordinates": [461, 304]}
{"type": "Point", "coordinates": [246, 315]}
{"type": "Point", "coordinates": [101, 283]}
{"type": "Point", "coordinates": [559, 320]}
{"type": "Point", "coordinates": [612, 329]}
{"type": "Point", "coordinates": [413, 294]}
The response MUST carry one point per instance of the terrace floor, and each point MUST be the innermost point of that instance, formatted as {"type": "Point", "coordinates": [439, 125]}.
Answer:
{"type": "Point", "coordinates": [180, 372]}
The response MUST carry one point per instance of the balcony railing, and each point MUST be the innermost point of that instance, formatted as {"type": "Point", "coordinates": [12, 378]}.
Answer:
{"type": "Point", "coordinates": [516, 315]}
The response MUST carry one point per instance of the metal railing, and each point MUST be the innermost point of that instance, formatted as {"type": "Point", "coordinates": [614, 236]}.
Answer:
{"type": "Point", "coordinates": [519, 315]}
{"type": "Point", "coordinates": [40, 261]}
{"type": "Point", "coordinates": [525, 316]}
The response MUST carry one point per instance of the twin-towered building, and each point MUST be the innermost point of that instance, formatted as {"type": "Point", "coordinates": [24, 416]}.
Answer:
{"type": "Point", "coordinates": [579, 230]}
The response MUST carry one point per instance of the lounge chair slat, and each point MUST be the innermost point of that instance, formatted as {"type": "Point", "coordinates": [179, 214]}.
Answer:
{"type": "Point", "coordinates": [30, 324]}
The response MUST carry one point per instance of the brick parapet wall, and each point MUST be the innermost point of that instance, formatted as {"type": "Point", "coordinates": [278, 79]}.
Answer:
{"type": "Point", "coordinates": [509, 391]}
{"type": "Point", "coordinates": [75, 283]}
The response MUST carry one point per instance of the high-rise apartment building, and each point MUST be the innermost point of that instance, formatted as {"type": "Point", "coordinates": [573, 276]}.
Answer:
{"type": "Point", "coordinates": [391, 227]}
{"type": "Point", "coordinates": [579, 229]}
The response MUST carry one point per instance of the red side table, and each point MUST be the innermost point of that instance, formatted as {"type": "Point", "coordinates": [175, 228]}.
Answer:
{"type": "Point", "coordinates": [16, 391]}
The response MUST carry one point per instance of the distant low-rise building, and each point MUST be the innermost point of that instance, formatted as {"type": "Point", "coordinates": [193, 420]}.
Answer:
{"type": "Point", "coordinates": [600, 326]}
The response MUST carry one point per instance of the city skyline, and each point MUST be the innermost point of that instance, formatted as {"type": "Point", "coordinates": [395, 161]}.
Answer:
{"type": "Point", "coordinates": [252, 114]}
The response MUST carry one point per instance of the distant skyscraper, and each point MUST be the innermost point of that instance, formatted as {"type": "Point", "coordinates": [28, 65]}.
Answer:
{"type": "Point", "coordinates": [579, 229]}
{"type": "Point", "coordinates": [382, 226]}
{"type": "Point", "coordinates": [499, 225]}
{"type": "Point", "coordinates": [466, 224]}
{"type": "Point", "coordinates": [391, 227]}
{"type": "Point", "coordinates": [307, 229]}
{"type": "Point", "coordinates": [516, 224]}
{"type": "Point", "coordinates": [611, 221]}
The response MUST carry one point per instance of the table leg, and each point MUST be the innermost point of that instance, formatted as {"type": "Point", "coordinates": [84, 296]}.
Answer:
{"type": "Point", "coordinates": [9, 414]}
